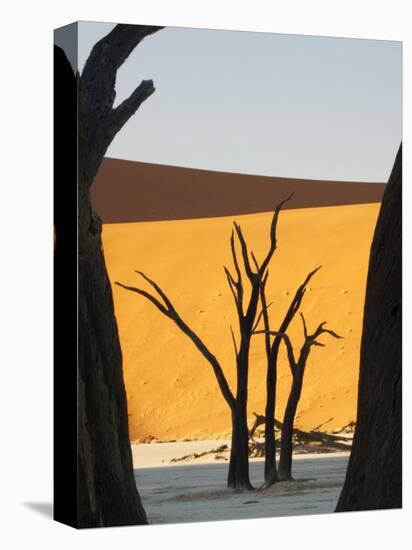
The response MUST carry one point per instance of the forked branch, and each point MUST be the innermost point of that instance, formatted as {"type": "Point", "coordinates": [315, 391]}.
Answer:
{"type": "Point", "coordinates": [291, 312]}
{"type": "Point", "coordinates": [99, 121]}
{"type": "Point", "coordinates": [245, 253]}
{"type": "Point", "coordinates": [260, 269]}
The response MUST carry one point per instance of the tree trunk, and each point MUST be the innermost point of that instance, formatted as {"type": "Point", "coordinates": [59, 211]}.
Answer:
{"type": "Point", "coordinates": [286, 449]}
{"type": "Point", "coordinates": [271, 474]}
{"type": "Point", "coordinates": [108, 494]}
{"type": "Point", "coordinates": [374, 475]}
{"type": "Point", "coordinates": [107, 490]}
{"type": "Point", "coordinates": [238, 477]}
{"type": "Point", "coordinates": [104, 478]}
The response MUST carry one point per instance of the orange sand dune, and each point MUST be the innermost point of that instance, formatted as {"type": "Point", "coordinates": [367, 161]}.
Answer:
{"type": "Point", "coordinates": [171, 389]}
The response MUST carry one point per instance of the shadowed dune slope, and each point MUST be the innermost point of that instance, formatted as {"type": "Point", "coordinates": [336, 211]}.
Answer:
{"type": "Point", "coordinates": [171, 389]}
{"type": "Point", "coordinates": [172, 193]}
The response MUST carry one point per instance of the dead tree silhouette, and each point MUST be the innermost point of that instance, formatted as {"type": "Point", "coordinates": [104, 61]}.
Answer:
{"type": "Point", "coordinates": [374, 475]}
{"type": "Point", "coordinates": [106, 484]}
{"type": "Point", "coordinates": [238, 476]}
{"type": "Point", "coordinates": [272, 352]}
{"type": "Point", "coordinates": [297, 367]}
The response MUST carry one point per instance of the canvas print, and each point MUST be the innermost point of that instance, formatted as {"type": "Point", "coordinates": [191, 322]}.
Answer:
{"type": "Point", "coordinates": [228, 262]}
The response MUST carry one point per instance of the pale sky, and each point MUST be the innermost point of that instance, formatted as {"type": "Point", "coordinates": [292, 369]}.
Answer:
{"type": "Point", "coordinates": [260, 103]}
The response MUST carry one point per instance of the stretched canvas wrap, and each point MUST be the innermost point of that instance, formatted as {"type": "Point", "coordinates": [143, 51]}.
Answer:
{"type": "Point", "coordinates": [227, 274]}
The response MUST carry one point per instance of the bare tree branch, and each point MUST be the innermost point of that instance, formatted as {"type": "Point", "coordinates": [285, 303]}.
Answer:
{"type": "Point", "coordinates": [245, 253]}
{"type": "Point", "coordinates": [129, 106]}
{"type": "Point", "coordinates": [296, 301]}
{"type": "Point", "coordinates": [273, 234]}
{"type": "Point", "coordinates": [235, 286]}
{"type": "Point", "coordinates": [305, 330]}
{"type": "Point", "coordinates": [234, 341]}
{"type": "Point", "coordinates": [266, 323]}
{"type": "Point", "coordinates": [333, 333]}
{"type": "Point", "coordinates": [230, 277]}
{"type": "Point", "coordinates": [154, 301]}
{"type": "Point", "coordinates": [237, 291]}
{"type": "Point", "coordinates": [158, 290]}
{"type": "Point", "coordinates": [234, 256]}
{"type": "Point", "coordinates": [310, 339]}
{"type": "Point", "coordinates": [255, 261]}
{"type": "Point", "coordinates": [291, 356]}
{"type": "Point", "coordinates": [98, 121]}
{"type": "Point", "coordinates": [293, 308]}
{"type": "Point", "coordinates": [171, 312]}
{"type": "Point", "coordinates": [322, 330]}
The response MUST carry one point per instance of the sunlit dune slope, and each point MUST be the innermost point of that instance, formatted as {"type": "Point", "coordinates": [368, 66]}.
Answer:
{"type": "Point", "coordinates": [171, 389]}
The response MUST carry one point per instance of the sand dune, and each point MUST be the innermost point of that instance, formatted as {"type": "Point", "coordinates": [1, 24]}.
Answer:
{"type": "Point", "coordinates": [171, 389]}
{"type": "Point", "coordinates": [171, 192]}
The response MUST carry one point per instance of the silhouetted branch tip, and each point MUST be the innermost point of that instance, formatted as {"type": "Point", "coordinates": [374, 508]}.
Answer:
{"type": "Point", "coordinates": [305, 330]}
{"type": "Point", "coordinates": [245, 253]}
{"type": "Point", "coordinates": [333, 333]}
{"type": "Point", "coordinates": [158, 290]}
{"type": "Point", "coordinates": [147, 295]}
{"type": "Point", "coordinates": [321, 330]}
{"type": "Point", "coordinates": [234, 341]}
{"type": "Point", "coordinates": [234, 256]}
{"type": "Point", "coordinates": [279, 206]}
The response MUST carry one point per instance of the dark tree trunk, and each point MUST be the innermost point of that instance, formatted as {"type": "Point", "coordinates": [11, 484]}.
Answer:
{"type": "Point", "coordinates": [272, 352]}
{"type": "Point", "coordinates": [107, 489]}
{"type": "Point", "coordinates": [297, 368]}
{"type": "Point", "coordinates": [374, 475]}
{"type": "Point", "coordinates": [238, 477]}
{"type": "Point", "coordinates": [271, 474]}
{"type": "Point", "coordinates": [286, 449]}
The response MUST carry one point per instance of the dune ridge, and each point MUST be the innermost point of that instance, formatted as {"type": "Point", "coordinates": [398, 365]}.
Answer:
{"type": "Point", "coordinates": [126, 191]}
